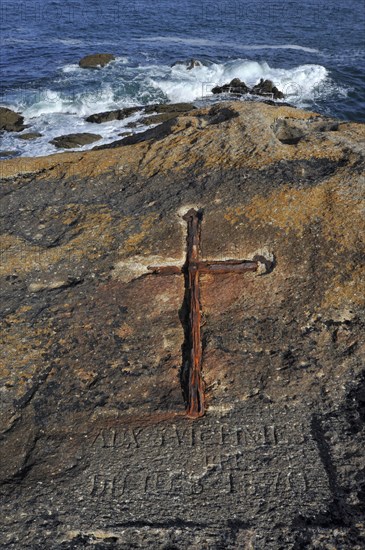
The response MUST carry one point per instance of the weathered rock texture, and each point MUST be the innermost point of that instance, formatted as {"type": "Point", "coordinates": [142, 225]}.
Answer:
{"type": "Point", "coordinates": [71, 141]}
{"type": "Point", "coordinates": [10, 121]}
{"type": "Point", "coordinates": [30, 135]}
{"type": "Point", "coordinates": [96, 449]}
{"type": "Point", "coordinates": [163, 111]}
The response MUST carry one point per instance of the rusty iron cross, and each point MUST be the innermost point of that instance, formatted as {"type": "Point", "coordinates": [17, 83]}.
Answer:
{"type": "Point", "coordinates": [192, 269]}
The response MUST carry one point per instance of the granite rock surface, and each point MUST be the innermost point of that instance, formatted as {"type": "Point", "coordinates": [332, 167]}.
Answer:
{"type": "Point", "coordinates": [96, 449]}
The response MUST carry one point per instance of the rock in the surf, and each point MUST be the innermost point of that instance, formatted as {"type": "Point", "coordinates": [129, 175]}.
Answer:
{"type": "Point", "coordinates": [190, 64]}
{"type": "Point", "coordinates": [236, 86]}
{"type": "Point", "coordinates": [72, 141]}
{"type": "Point", "coordinates": [8, 154]}
{"type": "Point", "coordinates": [264, 88]}
{"type": "Point", "coordinates": [169, 108]}
{"type": "Point", "coordinates": [121, 114]}
{"type": "Point", "coordinates": [30, 135]}
{"type": "Point", "coordinates": [10, 121]}
{"type": "Point", "coordinates": [267, 88]}
{"type": "Point", "coordinates": [94, 61]}
{"type": "Point", "coordinates": [118, 114]}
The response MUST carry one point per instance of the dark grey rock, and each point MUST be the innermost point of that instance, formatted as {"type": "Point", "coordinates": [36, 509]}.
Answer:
{"type": "Point", "coordinates": [10, 121]}
{"type": "Point", "coordinates": [72, 141]}
{"type": "Point", "coordinates": [219, 114]}
{"type": "Point", "coordinates": [169, 108]}
{"type": "Point", "coordinates": [267, 88]}
{"type": "Point", "coordinates": [8, 154]}
{"type": "Point", "coordinates": [118, 114]}
{"type": "Point", "coordinates": [154, 134]}
{"type": "Point", "coordinates": [189, 64]}
{"type": "Point", "coordinates": [30, 135]}
{"type": "Point", "coordinates": [236, 86]}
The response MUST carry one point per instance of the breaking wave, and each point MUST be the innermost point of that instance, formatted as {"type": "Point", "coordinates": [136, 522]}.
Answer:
{"type": "Point", "coordinates": [61, 107]}
{"type": "Point", "coordinates": [299, 85]}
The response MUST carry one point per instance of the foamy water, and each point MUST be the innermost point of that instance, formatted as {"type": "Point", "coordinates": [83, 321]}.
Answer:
{"type": "Point", "coordinates": [56, 112]}
{"type": "Point", "coordinates": [313, 52]}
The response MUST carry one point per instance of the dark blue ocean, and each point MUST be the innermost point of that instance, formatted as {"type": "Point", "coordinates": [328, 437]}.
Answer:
{"type": "Point", "coordinates": [313, 50]}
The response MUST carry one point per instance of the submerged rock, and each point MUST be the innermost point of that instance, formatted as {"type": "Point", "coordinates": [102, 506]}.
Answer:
{"type": "Point", "coordinates": [94, 61]}
{"type": "Point", "coordinates": [190, 64]}
{"type": "Point", "coordinates": [72, 141]}
{"type": "Point", "coordinates": [10, 121]}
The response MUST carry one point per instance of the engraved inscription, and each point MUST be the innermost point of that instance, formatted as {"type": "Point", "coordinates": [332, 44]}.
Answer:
{"type": "Point", "coordinates": [179, 483]}
{"type": "Point", "coordinates": [236, 464]}
{"type": "Point", "coordinates": [247, 436]}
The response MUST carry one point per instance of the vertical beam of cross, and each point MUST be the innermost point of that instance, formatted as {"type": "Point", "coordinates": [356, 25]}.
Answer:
{"type": "Point", "coordinates": [192, 269]}
{"type": "Point", "coordinates": [196, 385]}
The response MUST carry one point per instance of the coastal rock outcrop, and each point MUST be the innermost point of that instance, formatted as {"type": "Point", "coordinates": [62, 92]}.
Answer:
{"type": "Point", "coordinates": [267, 87]}
{"type": "Point", "coordinates": [30, 136]}
{"type": "Point", "coordinates": [263, 88]}
{"type": "Point", "coordinates": [117, 114]}
{"type": "Point", "coordinates": [236, 86]}
{"type": "Point", "coordinates": [72, 141]}
{"type": "Point", "coordinates": [95, 61]}
{"type": "Point", "coordinates": [97, 450]}
{"type": "Point", "coordinates": [10, 121]}
{"type": "Point", "coordinates": [166, 110]}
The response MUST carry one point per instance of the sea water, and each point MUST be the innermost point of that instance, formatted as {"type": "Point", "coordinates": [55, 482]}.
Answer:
{"type": "Point", "coordinates": [312, 50]}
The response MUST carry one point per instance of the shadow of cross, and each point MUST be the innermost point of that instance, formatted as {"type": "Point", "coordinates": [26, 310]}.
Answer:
{"type": "Point", "coordinates": [192, 269]}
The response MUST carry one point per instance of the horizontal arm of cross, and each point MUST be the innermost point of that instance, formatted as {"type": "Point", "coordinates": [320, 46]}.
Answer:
{"type": "Point", "coordinates": [220, 267]}
{"type": "Point", "coordinates": [228, 266]}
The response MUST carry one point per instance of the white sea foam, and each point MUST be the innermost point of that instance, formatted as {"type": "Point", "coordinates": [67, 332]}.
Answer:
{"type": "Point", "coordinates": [298, 84]}
{"type": "Point", "coordinates": [54, 112]}
{"type": "Point", "coordinates": [232, 45]}
{"type": "Point", "coordinates": [81, 104]}
{"type": "Point", "coordinates": [69, 41]}
{"type": "Point", "coordinates": [71, 68]}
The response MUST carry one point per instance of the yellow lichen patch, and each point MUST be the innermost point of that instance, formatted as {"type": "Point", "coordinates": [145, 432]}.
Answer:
{"type": "Point", "coordinates": [294, 210]}
{"type": "Point", "coordinates": [70, 165]}
{"type": "Point", "coordinates": [133, 242]}
{"type": "Point", "coordinates": [349, 292]}
{"type": "Point", "coordinates": [288, 209]}
{"type": "Point", "coordinates": [95, 234]}
{"type": "Point", "coordinates": [18, 256]}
